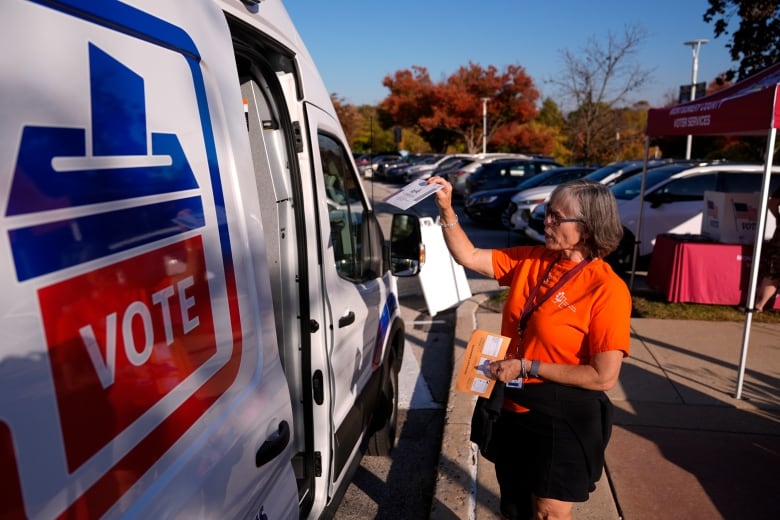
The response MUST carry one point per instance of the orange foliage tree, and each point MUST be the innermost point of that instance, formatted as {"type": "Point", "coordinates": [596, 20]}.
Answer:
{"type": "Point", "coordinates": [449, 113]}
{"type": "Point", "coordinates": [348, 115]}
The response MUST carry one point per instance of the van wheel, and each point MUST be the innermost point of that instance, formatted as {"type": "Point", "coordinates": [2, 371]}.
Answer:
{"type": "Point", "coordinates": [385, 424]}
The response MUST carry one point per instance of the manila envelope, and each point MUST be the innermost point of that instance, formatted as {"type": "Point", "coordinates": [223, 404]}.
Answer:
{"type": "Point", "coordinates": [483, 347]}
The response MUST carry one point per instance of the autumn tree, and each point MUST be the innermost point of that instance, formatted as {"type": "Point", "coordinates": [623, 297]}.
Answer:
{"type": "Point", "coordinates": [543, 135]}
{"type": "Point", "coordinates": [630, 132]}
{"type": "Point", "coordinates": [452, 111]}
{"type": "Point", "coordinates": [348, 116]}
{"type": "Point", "coordinates": [596, 81]}
{"type": "Point", "coordinates": [412, 97]}
{"type": "Point", "coordinates": [755, 44]}
{"type": "Point", "coordinates": [532, 137]}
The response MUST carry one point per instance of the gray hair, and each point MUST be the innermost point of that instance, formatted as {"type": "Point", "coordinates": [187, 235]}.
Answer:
{"type": "Point", "coordinates": [597, 208]}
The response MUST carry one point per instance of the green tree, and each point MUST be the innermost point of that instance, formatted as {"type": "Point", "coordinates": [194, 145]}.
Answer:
{"type": "Point", "coordinates": [755, 44]}
{"type": "Point", "coordinates": [550, 116]}
{"type": "Point", "coordinates": [368, 134]}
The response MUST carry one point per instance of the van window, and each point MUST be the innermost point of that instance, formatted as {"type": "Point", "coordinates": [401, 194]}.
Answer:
{"type": "Point", "coordinates": [346, 212]}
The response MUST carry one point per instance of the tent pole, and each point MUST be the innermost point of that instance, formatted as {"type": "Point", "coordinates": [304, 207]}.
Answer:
{"type": "Point", "coordinates": [639, 216]}
{"type": "Point", "coordinates": [751, 298]}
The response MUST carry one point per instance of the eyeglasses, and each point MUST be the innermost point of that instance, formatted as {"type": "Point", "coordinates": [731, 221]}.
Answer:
{"type": "Point", "coordinates": [556, 219]}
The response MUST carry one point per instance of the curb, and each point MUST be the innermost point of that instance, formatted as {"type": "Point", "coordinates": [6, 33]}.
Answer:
{"type": "Point", "coordinates": [456, 482]}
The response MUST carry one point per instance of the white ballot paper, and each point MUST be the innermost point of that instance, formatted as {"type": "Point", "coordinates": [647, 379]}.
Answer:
{"type": "Point", "coordinates": [412, 193]}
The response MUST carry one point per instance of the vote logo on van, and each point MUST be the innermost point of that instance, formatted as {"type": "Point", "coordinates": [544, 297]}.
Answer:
{"type": "Point", "coordinates": [123, 337]}
{"type": "Point", "coordinates": [138, 328]}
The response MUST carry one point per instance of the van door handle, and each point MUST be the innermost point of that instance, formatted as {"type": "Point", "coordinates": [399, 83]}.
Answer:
{"type": "Point", "coordinates": [348, 319]}
{"type": "Point", "coordinates": [275, 444]}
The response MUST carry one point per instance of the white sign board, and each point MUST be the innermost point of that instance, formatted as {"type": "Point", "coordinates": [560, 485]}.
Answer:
{"type": "Point", "coordinates": [444, 283]}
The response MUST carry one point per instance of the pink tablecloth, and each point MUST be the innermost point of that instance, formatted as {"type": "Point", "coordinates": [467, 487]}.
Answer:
{"type": "Point", "coordinates": [700, 272]}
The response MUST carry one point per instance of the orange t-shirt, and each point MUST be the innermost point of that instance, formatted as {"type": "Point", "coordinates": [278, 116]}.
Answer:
{"type": "Point", "coordinates": [590, 313]}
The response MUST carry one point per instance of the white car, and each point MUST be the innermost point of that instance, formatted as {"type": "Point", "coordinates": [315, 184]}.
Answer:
{"type": "Point", "coordinates": [425, 170]}
{"type": "Point", "coordinates": [526, 202]}
{"type": "Point", "coordinates": [674, 200]}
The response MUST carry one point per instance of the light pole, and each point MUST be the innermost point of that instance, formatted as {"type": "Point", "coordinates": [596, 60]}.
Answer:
{"type": "Point", "coordinates": [695, 47]}
{"type": "Point", "coordinates": [484, 124]}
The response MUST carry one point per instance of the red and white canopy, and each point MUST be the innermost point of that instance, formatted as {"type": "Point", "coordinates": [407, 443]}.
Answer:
{"type": "Point", "coordinates": [749, 107]}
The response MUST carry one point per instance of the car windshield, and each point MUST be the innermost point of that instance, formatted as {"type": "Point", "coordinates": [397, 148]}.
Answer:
{"type": "Point", "coordinates": [602, 173]}
{"type": "Point", "coordinates": [629, 188]}
{"type": "Point", "coordinates": [540, 179]}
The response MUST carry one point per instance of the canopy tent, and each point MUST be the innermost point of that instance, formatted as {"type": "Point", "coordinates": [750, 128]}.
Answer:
{"type": "Point", "coordinates": [749, 107]}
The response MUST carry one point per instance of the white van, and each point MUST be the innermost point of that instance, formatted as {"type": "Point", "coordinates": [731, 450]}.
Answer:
{"type": "Point", "coordinates": [199, 312]}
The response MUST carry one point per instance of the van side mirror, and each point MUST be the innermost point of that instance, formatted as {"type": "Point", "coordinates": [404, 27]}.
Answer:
{"type": "Point", "coordinates": [407, 251]}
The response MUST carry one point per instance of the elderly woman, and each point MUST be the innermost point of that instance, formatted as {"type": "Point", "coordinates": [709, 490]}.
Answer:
{"type": "Point", "coordinates": [568, 315]}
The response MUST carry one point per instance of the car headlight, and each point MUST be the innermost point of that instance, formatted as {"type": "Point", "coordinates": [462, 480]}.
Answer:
{"type": "Point", "coordinates": [530, 202]}
{"type": "Point", "coordinates": [486, 199]}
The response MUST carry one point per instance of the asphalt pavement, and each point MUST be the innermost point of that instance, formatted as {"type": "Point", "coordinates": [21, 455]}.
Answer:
{"type": "Point", "coordinates": [682, 447]}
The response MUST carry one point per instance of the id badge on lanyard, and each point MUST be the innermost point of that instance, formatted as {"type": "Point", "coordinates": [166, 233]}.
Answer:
{"type": "Point", "coordinates": [515, 383]}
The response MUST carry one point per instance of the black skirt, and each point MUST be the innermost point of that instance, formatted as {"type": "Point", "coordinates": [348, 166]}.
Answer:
{"type": "Point", "coordinates": [556, 450]}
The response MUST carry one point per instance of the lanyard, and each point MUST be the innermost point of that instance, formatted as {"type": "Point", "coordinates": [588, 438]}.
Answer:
{"type": "Point", "coordinates": [530, 306]}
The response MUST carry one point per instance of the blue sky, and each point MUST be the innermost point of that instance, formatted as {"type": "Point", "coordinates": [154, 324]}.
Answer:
{"type": "Point", "coordinates": [357, 43]}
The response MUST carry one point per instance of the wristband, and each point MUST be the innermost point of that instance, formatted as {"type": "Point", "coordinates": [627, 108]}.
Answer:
{"type": "Point", "coordinates": [534, 368]}
{"type": "Point", "coordinates": [451, 224]}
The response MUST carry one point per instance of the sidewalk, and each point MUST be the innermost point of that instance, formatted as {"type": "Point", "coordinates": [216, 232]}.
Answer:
{"type": "Point", "coordinates": [682, 446]}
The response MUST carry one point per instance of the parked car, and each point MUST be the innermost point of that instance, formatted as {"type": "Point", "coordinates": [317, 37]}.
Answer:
{"type": "Point", "coordinates": [673, 203]}
{"type": "Point", "coordinates": [368, 169]}
{"type": "Point", "coordinates": [536, 190]}
{"type": "Point", "coordinates": [423, 171]}
{"type": "Point", "coordinates": [458, 177]}
{"type": "Point", "coordinates": [495, 207]}
{"type": "Point", "coordinates": [395, 171]}
{"type": "Point", "coordinates": [362, 159]}
{"type": "Point", "coordinates": [454, 164]}
{"type": "Point", "coordinates": [504, 173]}
{"type": "Point", "coordinates": [618, 172]}
{"type": "Point", "coordinates": [609, 175]}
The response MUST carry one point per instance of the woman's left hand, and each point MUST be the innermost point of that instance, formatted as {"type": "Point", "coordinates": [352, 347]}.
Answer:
{"type": "Point", "coordinates": [505, 370]}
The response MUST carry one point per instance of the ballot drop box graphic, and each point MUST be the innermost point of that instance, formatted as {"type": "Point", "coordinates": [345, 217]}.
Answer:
{"type": "Point", "coordinates": [730, 218]}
